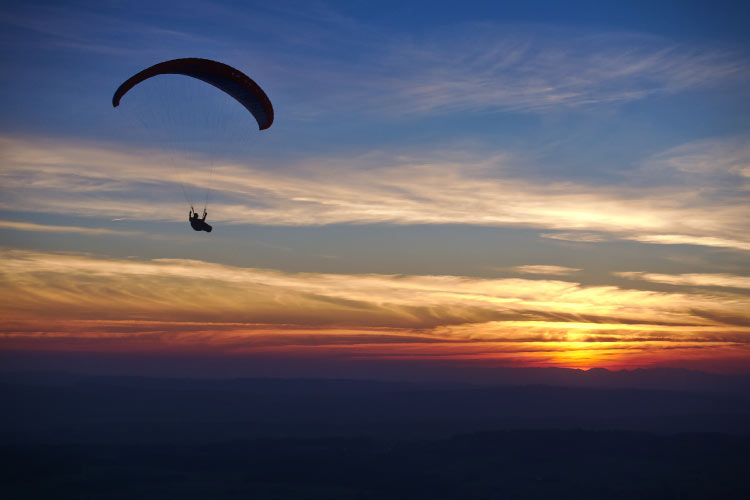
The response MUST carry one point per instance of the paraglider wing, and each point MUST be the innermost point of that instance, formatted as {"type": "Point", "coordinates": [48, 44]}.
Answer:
{"type": "Point", "coordinates": [225, 78]}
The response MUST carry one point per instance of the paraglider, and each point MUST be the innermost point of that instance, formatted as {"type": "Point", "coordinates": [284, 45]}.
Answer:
{"type": "Point", "coordinates": [225, 78]}
{"type": "Point", "coordinates": [199, 223]}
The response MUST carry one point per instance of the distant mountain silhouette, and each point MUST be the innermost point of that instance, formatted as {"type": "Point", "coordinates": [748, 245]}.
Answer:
{"type": "Point", "coordinates": [652, 378]}
{"type": "Point", "coordinates": [65, 408]}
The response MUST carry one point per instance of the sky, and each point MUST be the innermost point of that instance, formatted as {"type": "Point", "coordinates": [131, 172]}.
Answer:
{"type": "Point", "coordinates": [446, 186]}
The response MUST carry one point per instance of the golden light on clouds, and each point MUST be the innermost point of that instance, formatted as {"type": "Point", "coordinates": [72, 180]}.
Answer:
{"type": "Point", "coordinates": [47, 228]}
{"type": "Point", "coordinates": [542, 315]}
{"type": "Point", "coordinates": [78, 302]}
{"type": "Point", "coordinates": [545, 269]}
{"type": "Point", "coordinates": [455, 188]}
{"type": "Point", "coordinates": [691, 279]}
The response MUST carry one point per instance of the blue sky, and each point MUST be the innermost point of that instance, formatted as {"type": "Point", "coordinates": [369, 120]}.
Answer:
{"type": "Point", "coordinates": [599, 144]}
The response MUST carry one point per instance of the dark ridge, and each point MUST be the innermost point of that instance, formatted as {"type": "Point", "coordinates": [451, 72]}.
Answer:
{"type": "Point", "coordinates": [517, 464]}
{"type": "Point", "coordinates": [59, 408]}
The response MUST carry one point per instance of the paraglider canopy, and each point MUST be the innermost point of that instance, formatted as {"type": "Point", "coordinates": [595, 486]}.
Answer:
{"type": "Point", "coordinates": [225, 78]}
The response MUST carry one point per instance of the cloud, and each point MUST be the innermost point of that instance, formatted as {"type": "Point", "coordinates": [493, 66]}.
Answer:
{"type": "Point", "coordinates": [73, 284]}
{"type": "Point", "coordinates": [581, 237]}
{"type": "Point", "coordinates": [447, 188]}
{"type": "Point", "coordinates": [30, 226]}
{"type": "Point", "coordinates": [691, 279]}
{"type": "Point", "coordinates": [68, 301]}
{"type": "Point", "coordinates": [486, 69]}
{"type": "Point", "coordinates": [489, 67]}
{"type": "Point", "coordinates": [717, 158]}
{"type": "Point", "coordinates": [93, 32]}
{"type": "Point", "coordinates": [682, 239]}
{"type": "Point", "coordinates": [542, 269]}
{"type": "Point", "coordinates": [472, 67]}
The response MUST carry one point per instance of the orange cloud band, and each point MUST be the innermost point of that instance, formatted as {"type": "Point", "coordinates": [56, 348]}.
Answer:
{"type": "Point", "coordinates": [77, 302]}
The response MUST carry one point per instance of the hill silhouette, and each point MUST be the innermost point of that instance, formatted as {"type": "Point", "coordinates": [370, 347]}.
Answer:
{"type": "Point", "coordinates": [604, 435]}
{"type": "Point", "coordinates": [64, 408]}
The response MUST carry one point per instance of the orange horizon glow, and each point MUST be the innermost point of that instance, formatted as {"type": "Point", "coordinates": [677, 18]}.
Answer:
{"type": "Point", "coordinates": [718, 357]}
{"type": "Point", "coordinates": [79, 303]}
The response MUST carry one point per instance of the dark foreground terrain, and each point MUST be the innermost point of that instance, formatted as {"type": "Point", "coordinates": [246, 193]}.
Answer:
{"type": "Point", "coordinates": [101, 437]}
{"type": "Point", "coordinates": [510, 464]}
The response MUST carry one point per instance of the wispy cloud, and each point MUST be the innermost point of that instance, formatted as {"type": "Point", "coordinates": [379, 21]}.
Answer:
{"type": "Point", "coordinates": [452, 188]}
{"type": "Point", "coordinates": [490, 67]}
{"type": "Point", "coordinates": [578, 236]}
{"type": "Point", "coordinates": [544, 269]}
{"type": "Point", "coordinates": [684, 239]}
{"type": "Point", "coordinates": [690, 279]}
{"type": "Point", "coordinates": [487, 69]}
{"type": "Point", "coordinates": [94, 31]}
{"type": "Point", "coordinates": [75, 300]}
{"type": "Point", "coordinates": [714, 158]}
{"type": "Point", "coordinates": [455, 298]}
{"type": "Point", "coordinates": [469, 67]}
{"type": "Point", "coordinates": [30, 226]}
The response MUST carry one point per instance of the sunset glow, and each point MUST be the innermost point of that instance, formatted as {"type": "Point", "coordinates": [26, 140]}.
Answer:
{"type": "Point", "coordinates": [474, 194]}
{"type": "Point", "coordinates": [75, 302]}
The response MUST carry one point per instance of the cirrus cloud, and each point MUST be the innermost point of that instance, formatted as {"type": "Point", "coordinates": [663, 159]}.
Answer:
{"type": "Point", "coordinates": [66, 301]}
{"type": "Point", "coordinates": [49, 176]}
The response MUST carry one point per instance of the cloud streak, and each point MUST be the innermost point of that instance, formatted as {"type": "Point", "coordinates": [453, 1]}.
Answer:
{"type": "Point", "coordinates": [456, 188]}
{"type": "Point", "coordinates": [492, 67]}
{"type": "Point", "coordinates": [46, 228]}
{"type": "Point", "coordinates": [691, 279]}
{"type": "Point", "coordinates": [74, 301]}
{"type": "Point", "coordinates": [499, 68]}
{"type": "Point", "coordinates": [470, 67]}
{"type": "Point", "coordinates": [543, 269]}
